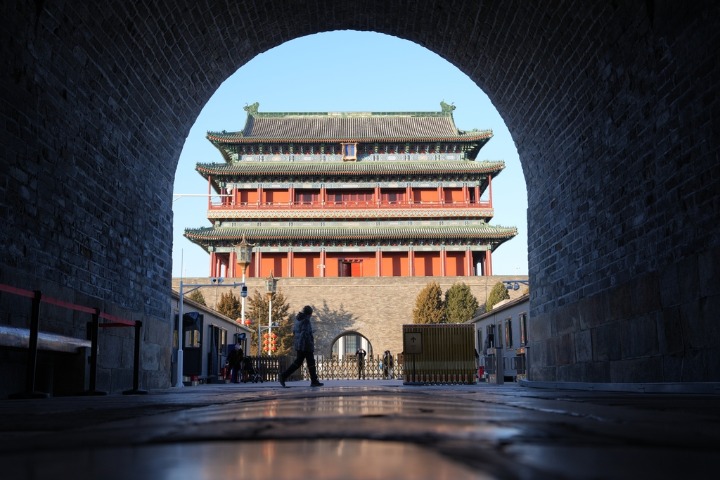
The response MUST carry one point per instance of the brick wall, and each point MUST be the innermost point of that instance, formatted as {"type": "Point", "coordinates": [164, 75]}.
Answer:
{"type": "Point", "coordinates": [374, 307]}
{"type": "Point", "coordinates": [613, 107]}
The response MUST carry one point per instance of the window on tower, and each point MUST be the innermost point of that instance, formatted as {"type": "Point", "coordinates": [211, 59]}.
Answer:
{"type": "Point", "coordinates": [349, 151]}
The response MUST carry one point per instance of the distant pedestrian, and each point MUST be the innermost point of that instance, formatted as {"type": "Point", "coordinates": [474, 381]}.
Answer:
{"type": "Point", "coordinates": [304, 344]}
{"type": "Point", "coordinates": [360, 355]}
{"type": "Point", "coordinates": [388, 364]}
{"type": "Point", "coordinates": [235, 358]}
{"type": "Point", "coordinates": [490, 340]}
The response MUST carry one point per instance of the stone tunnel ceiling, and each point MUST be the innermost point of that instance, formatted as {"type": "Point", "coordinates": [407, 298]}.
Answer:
{"type": "Point", "coordinates": [613, 107]}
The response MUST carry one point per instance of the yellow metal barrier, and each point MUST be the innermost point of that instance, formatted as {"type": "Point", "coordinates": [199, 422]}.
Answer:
{"type": "Point", "coordinates": [442, 354]}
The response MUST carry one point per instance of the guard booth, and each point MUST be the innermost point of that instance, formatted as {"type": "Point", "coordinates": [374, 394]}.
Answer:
{"type": "Point", "coordinates": [192, 344]}
{"type": "Point", "coordinates": [439, 354]}
{"type": "Point", "coordinates": [205, 336]}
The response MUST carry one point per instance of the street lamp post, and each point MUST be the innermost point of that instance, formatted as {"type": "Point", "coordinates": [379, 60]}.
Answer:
{"type": "Point", "coordinates": [271, 287]}
{"type": "Point", "coordinates": [244, 255]}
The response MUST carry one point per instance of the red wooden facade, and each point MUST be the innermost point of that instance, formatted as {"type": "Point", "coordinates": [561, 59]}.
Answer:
{"type": "Point", "coordinates": [319, 196]}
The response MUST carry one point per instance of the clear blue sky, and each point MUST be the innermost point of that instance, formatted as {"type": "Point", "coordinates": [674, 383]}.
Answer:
{"type": "Point", "coordinates": [347, 71]}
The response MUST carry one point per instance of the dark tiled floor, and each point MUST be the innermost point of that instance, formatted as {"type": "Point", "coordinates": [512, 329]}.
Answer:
{"type": "Point", "coordinates": [373, 429]}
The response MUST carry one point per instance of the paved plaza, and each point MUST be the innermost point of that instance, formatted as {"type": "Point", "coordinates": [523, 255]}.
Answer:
{"type": "Point", "coordinates": [366, 430]}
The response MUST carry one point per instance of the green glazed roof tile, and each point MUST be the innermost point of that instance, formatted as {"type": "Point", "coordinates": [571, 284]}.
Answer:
{"type": "Point", "coordinates": [299, 127]}
{"type": "Point", "coordinates": [348, 168]}
{"type": "Point", "coordinates": [431, 232]}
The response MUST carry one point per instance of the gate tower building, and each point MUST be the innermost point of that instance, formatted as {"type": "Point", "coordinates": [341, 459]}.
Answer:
{"type": "Point", "coordinates": [351, 194]}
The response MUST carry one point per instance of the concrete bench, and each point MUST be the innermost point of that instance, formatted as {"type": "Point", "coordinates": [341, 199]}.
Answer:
{"type": "Point", "coordinates": [59, 366]}
{"type": "Point", "coordinates": [20, 338]}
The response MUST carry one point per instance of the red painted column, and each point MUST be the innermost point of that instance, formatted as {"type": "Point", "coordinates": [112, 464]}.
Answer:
{"type": "Point", "coordinates": [443, 261]}
{"type": "Point", "coordinates": [258, 262]}
{"type": "Point", "coordinates": [233, 265]}
{"type": "Point", "coordinates": [378, 262]}
{"type": "Point", "coordinates": [322, 262]}
{"type": "Point", "coordinates": [290, 259]}
{"type": "Point", "coordinates": [218, 266]}
{"type": "Point", "coordinates": [212, 264]}
{"type": "Point", "coordinates": [411, 263]}
{"type": "Point", "coordinates": [488, 262]}
{"type": "Point", "coordinates": [468, 263]}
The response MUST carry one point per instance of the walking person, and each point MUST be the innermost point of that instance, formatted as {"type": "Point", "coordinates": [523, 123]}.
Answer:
{"type": "Point", "coordinates": [388, 364]}
{"type": "Point", "coordinates": [360, 354]}
{"type": "Point", "coordinates": [304, 344]}
{"type": "Point", "coordinates": [235, 361]}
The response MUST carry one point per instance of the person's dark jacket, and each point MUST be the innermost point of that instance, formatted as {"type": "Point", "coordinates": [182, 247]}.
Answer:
{"type": "Point", "coordinates": [302, 329]}
{"type": "Point", "coordinates": [235, 357]}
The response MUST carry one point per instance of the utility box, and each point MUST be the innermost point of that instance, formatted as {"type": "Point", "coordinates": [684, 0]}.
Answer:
{"type": "Point", "coordinates": [439, 354]}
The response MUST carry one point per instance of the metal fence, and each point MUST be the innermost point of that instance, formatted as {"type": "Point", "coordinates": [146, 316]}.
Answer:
{"type": "Point", "coordinates": [330, 368]}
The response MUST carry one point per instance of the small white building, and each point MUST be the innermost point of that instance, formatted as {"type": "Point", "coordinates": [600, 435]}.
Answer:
{"type": "Point", "coordinates": [206, 336]}
{"type": "Point", "coordinates": [503, 332]}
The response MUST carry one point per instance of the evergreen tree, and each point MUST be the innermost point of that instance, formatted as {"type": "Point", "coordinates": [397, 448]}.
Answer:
{"type": "Point", "coordinates": [285, 334]}
{"type": "Point", "coordinates": [229, 305]}
{"type": "Point", "coordinates": [429, 306]}
{"type": "Point", "coordinates": [460, 304]}
{"type": "Point", "coordinates": [257, 309]}
{"type": "Point", "coordinates": [197, 297]}
{"type": "Point", "coordinates": [497, 294]}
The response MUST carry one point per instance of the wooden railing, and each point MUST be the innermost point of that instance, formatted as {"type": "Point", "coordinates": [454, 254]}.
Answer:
{"type": "Point", "coordinates": [346, 204]}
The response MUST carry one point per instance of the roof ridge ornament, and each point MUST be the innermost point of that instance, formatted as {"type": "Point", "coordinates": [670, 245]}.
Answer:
{"type": "Point", "coordinates": [252, 109]}
{"type": "Point", "coordinates": [447, 107]}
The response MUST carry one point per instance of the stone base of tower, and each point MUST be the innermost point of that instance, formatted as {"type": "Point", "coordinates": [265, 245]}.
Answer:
{"type": "Point", "coordinates": [374, 307]}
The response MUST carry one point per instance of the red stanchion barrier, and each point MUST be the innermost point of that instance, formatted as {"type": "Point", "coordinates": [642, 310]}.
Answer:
{"type": "Point", "coordinates": [93, 332]}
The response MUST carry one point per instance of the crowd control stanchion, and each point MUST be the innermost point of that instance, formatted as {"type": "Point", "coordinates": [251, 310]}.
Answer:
{"type": "Point", "coordinates": [117, 322]}
{"type": "Point", "coordinates": [31, 367]}
{"type": "Point", "coordinates": [136, 363]}
{"type": "Point", "coordinates": [93, 328]}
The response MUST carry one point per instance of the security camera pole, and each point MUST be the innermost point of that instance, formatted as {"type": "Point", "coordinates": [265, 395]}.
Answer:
{"type": "Point", "coordinates": [216, 282]}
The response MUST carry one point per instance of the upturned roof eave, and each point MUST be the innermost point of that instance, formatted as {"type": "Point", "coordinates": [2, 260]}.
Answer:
{"type": "Point", "coordinates": [327, 168]}
{"type": "Point", "coordinates": [238, 138]}
{"type": "Point", "coordinates": [497, 233]}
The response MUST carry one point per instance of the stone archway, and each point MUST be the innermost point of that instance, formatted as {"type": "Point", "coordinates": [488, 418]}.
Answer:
{"type": "Point", "coordinates": [613, 109]}
{"type": "Point", "coordinates": [348, 342]}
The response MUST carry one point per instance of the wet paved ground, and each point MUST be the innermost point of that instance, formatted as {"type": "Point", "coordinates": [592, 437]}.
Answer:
{"type": "Point", "coordinates": [367, 430]}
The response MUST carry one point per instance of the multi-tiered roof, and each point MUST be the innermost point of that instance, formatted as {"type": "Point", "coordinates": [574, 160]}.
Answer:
{"type": "Point", "coordinates": [391, 149]}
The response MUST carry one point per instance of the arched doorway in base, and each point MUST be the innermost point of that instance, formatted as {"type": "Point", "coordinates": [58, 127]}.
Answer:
{"type": "Point", "coordinates": [347, 343]}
